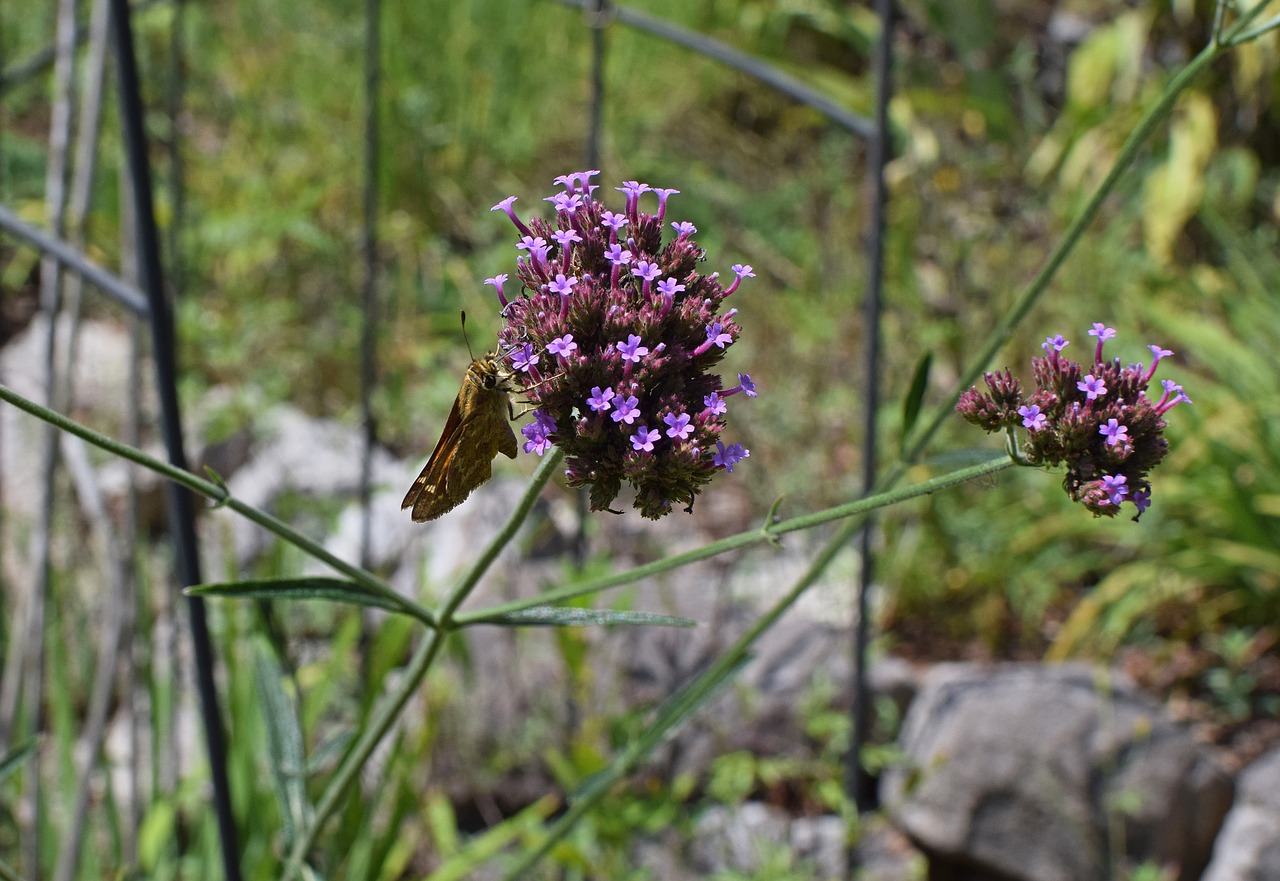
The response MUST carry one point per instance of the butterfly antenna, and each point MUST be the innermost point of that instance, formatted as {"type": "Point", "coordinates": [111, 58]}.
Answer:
{"type": "Point", "coordinates": [465, 339]}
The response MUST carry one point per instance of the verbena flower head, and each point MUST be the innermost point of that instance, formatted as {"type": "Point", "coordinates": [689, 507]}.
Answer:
{"type": "Point", "coordinates": [1097, 420]}
{"type": "Point", "coordinates": [628, 333]}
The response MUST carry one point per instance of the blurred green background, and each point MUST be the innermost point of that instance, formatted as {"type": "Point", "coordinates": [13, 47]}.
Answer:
{"type": "Point", "coordinates": [1006, 115]}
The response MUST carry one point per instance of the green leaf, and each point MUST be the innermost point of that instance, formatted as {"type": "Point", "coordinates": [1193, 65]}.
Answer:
{"type": "Point", "coordinates": [563, 616]}
{"type": "Point", "coordinates": [481, 848]}
{"type": "Point", "coordinates": [10, 764]}
{"type": "Point", "coordinates": [156, 833]}
{"type": "Point", "coordinates": [334, 590]}
{"type": "Point", "coordinates": [285, 755]}
{"type": "Point", "coordinates": [915, 394]}
{"type": "Point", "coordinates": [217, 480]}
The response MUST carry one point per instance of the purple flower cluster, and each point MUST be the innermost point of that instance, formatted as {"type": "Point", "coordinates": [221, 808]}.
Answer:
{"type": "Point", "coordinates": [1099, 422]}
{"type": "Point", "coordinates": [612, 336]}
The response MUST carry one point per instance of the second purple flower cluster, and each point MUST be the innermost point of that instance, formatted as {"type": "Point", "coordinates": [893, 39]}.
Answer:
{"type": "Point", "coordinates": [1098, 421]}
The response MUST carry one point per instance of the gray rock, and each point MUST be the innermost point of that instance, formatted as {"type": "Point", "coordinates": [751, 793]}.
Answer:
{"type": "Point", "coordinates": [1026, 771]}
{"type": "Point", "coordinates": [750, 837]}
{"type": "Point", "coordinates": [1248, 848]}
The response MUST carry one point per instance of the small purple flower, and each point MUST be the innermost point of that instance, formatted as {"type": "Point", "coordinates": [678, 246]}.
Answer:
{"type": "Point", "coordinates": [498, 281]}
{"type": "Point", "coordinates": [631, 350]}
{"type": "Point", "coordinates": [740, 272]}
{"type": "Point", "coordinates": [562, 285]}
{"type": "Point", "coordinates": [715, 404]}
{"type": "Point", "coordinates": [1142, 498]}
{"type": "Point", "coordinates": [565, 237]}
{"type": "Point", "coordinates": [505, 206]}
{"type": "Point", "coordinates": [1103, 333]}
{"type": "Point", "coordinates": [669, 287]}
{"type": "Point", "coordinates": [538, 433]}
{"type": "Point", "coordinates": [684, 229]}
{"type": "Point", "coordinates": [566, 203]}
{"type": "Point", "coordinates": [599, 400]}
{"type": "Point", "coordinates": [524, 358]}
{"type": "Point", "coordinates": [628, 411]}
{"type": "Point", "coordinates": [1115, 485]}
{"type": "Point", "coordinates": [617, 255]}
{"type": "Point", "coordinates": [633, 189]}
{"type": "Point", "coordinates": [647, 271]}
{"type": "Point", "coordinates": [1157, 354]}
{"type": "Point", "coordinates": [663, 195]}
{"type": "Point", "coordinates": [562, 346]}
{"type": "Point", "coordinates": [729, 456]}
{"type": "Point", "coordinates": [615, 222]}
{"type": "Point", "coordinates": [1054, 343]}
{"type": "Point", "coordinates": [716, 335]}
{"type": "Point", "coordinates": [1092, 387]}
{"type": "Point", "coordinates": [531, 244]}
{"type": "Point", "coordinates": [745, 385]}
{"type": "Point", "coordinates": [578, 179]}
{"type": "Point", "coordinates": [1115, 433]}
{"type": "Point", "coordinates": [643, 439]}
{"type": "Point", "coordinates": [1032, 418]}
{"type": "Point", "coordinates": [679, 425]}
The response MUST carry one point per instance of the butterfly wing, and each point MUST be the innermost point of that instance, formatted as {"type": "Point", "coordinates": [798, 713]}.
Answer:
{"type": "Point", "coordinates": [476, 430]}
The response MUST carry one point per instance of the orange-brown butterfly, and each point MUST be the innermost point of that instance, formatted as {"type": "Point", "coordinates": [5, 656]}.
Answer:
{"type": "Point", "coordinates": [478, 429]}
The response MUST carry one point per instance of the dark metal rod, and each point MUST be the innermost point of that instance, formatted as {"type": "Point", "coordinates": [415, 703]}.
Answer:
{"type": "Point", "coordinates": [740, 61]}
{"type": "Point", "coordinates": [112, 285]}
{"type": "Point", "coordinates": [856, 783]}
{"type": "Point", "coordinates": [597, 14]}
{"type": "Point", "coordinates": [43, 59]}
{"type": "Point", "coordinates": [181, 507]}
{"type": "Point", "coordinates": [369, 310]}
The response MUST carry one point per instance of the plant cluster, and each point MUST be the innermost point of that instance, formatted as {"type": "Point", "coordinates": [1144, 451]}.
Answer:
{"type": "Point", "coordinates": [1099, 422]}
{"type": "Point", "coordinates": [614, 336]}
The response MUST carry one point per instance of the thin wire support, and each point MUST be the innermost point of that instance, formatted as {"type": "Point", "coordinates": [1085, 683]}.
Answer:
{"type": "Point", "coordinates": [42, 59]}
{"type": "Point", "coordinates": [857, 784]}
{"type": "Point", "coordinates": [113, 286]}
{"type": "Point", "coordinates": [597, 20]}
{"type": "Point", "coordinates": [740, 61]}
{"type": "Point", "coordinates": [369, 306]}
{"type": "Point", "coordinates": [55, 393]}
{"type": "Point", "coordinates": [180, 504]}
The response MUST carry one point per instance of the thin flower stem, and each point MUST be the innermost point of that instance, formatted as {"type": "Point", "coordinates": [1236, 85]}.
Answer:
{"type": "Point", "coordinates": [1264, 28]}
{"type": "Point", "coordinates": [388, 712]}
{"type": "Point", "coordinates": [766, 533]}
{"type": "Point", "coordinates": [549, 466]}
{"type": "Point", "coordinates": [222, 496]}
{"type": "Point", "coordinates": [1004, 330]}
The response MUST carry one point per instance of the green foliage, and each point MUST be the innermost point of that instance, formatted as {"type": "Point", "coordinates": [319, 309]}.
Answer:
{"type": "Point", "coordinates": [487, 98]}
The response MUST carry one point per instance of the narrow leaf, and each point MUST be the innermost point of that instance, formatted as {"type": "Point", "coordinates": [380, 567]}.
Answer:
{"type": "Point", "coordinates": [285, 755]}
{"type": "Point", "coordinates": [334, 590]}
{"type": "Point", "coordinates": [915, 393]}
{"type": "Point", "coordinates": [480, 848]}
{"type": "Point", "coordinates": [13, 761]}
{"type": "Point", "coordinates": [564, 616]}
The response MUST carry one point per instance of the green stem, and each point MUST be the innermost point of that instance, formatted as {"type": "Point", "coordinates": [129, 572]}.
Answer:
{"type": "Point", "coordinates": [765, 533]}
{"type": "Point", "coordinates": [222, 496]}
{"type": "Point", "coordinates": [388, 712]}
{"type": "Point", "coordinates": [550, 465]}
{"type": "Point", "coordinates": [8, 874]}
